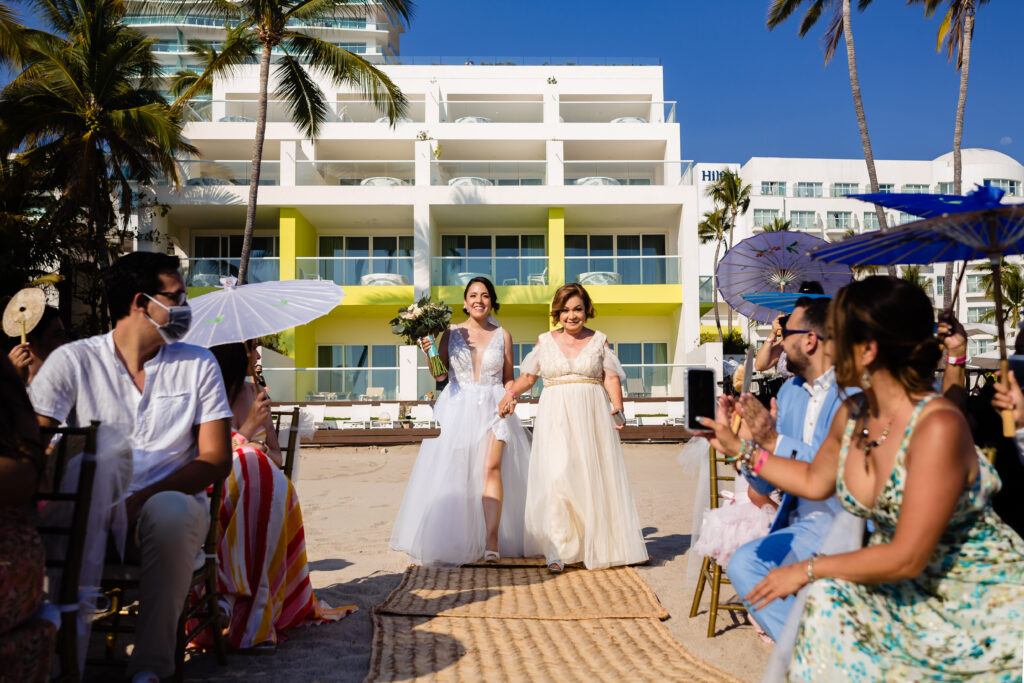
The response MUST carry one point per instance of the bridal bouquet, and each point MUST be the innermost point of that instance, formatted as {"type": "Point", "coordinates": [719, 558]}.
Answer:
{"type": "Point", "coordinates": [424, 319]}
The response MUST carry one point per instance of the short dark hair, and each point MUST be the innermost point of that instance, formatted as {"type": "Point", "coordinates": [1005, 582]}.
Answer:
{"type": "Point", "coordinates": [566, 292]}
{"type": "Point", "coordinates": [490, 292]}
{"type": "Point", "coordinates": [134, 273]}
{"type": "Point", "coordinates": [815, 313]}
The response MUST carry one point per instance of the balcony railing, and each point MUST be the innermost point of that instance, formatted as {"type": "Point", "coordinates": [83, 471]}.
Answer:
{"type": "Point", "coordinates": [707, 288]}
{"type": "Point", "coordinates": [486, 60]}
{"type": "Point", "coordinates": [279, 111]}
{"type": "Point", "coordinates": [218, 172]}
{"type": "Point", "coordinates": [171, 20]}
{"type": "Point", "coordinates": [483, 173]}
{"type": "Point", "coordinates": [357, 270]}
{"type": "Point", "coordinates": [492, 111]}
{"type": "Point", "coordinates": [622, 270]}
{"type": "Point", "coordinates": [348, 172]}
{"type": "Point", "coordinates": [332, 384]}
{"type": "Point", "coordinates": [622, 172]}
{"type": "Point", "coordinates": [207, 272]}
{"type": "Point", "coordinates": [617, 111]}
{"type": "Point", "coordinates": [501, 270]}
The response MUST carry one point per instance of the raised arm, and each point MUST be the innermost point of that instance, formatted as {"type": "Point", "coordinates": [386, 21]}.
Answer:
{"type": "Point", "coordinates": [940, 462]}
{"type": "Point", "coordinates": [769, 353]}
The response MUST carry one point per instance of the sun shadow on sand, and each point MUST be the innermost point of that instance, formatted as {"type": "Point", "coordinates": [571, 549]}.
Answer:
{"type": "Point", "coordinates": [663, 549]}
{"type": "Point", "coordinates": [329, 565]}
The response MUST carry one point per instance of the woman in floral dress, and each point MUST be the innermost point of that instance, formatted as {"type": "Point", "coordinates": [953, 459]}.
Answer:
{"type": "Point", "coordinates": [938, 592]}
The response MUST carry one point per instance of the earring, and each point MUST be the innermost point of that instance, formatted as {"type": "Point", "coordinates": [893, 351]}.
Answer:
{"type": "Point", "coordinates": [865, 379]}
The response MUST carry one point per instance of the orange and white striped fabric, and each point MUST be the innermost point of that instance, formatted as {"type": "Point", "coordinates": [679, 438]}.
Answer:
{"type": "Point", "coordinates": [261, 554]}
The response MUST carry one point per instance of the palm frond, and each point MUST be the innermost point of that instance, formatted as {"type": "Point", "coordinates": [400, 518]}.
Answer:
{"type": "Point", "coordinates": [239, 48]}
{"type": "Point", "coordinates": [306, 101]}
{"type": "Point", "coordinates": [346, 68]}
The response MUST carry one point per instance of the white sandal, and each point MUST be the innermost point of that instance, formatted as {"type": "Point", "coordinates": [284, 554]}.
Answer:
{"type": "Point", "coordinates": [491, 556]}
{"type": "Point", "coordinates": [556, 567]}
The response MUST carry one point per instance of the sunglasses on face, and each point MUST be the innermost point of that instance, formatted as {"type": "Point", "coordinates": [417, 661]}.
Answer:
{"type": "Point", "coordinates": [786, 333]}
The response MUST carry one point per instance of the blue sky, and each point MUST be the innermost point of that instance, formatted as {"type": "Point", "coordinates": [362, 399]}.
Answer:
{"type": "Point", "coordinates": [744, 91]}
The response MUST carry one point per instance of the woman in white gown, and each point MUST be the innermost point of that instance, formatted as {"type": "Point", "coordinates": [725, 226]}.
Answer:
{"type": "Point", "coordinates": [467, 491]}
{"type": "Point", "coordinates": [579, 507]}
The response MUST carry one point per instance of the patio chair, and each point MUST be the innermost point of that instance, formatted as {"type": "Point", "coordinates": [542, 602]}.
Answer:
{"type": "Point", "coordinates": [289, 445]}
{"type": "Point", "coordinates": [372, 394]}
{"type": "Point", "coordinates": [422, 416]}
{"type": "Point", "coordinates": [386, 414]}
{"type": "Point", "coordinates": [198, 615]}
{"type": "Point", "coordinates": [710, 571]}
{"type": "Point", "coordinates": [538, 278]}
{"type": "Point", "coordinates": [635, 386]}
{"type": "Point", "coordinates": [70, 529]}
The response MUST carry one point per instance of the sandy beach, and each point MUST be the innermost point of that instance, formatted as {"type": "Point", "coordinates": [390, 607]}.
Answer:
{"type": "Point", "coordinates": [349, 499]}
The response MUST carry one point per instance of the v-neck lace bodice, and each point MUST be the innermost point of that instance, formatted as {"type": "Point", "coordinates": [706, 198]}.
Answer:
{"type": "Point", "coordinates": [460, 358]}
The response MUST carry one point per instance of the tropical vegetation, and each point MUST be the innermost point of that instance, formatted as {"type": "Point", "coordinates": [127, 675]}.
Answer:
{"type": "Point", "coordinates": [714, 227]}
{"type": "Point", "coordinates": [270, 31]}
{"type": "Point", "coordinates": [1011, 276]}
{"type": "Point", "coordinates": [733, 195]}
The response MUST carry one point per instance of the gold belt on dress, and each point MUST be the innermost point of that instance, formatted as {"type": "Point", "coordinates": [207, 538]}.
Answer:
{"type": "Point", "coordinates": [581, 380]}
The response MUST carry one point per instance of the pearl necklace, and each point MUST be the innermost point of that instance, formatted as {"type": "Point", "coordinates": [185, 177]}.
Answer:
{"type": "Point", "coordinates": [875, 443]}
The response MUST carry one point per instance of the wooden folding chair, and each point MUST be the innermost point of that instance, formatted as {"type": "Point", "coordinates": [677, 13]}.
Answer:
{"type": "Point", "coordinates": [710, 571]}
{"type": "Point", "coordinates": [290, 451]}
{"type": "Point", "coordinates": [74, 532]}
{"type": "Point", "coordinates": [205, 611]}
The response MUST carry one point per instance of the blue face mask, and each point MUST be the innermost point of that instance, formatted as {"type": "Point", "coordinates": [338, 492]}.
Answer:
{"type": "Point", "coordinates": [179, 320]}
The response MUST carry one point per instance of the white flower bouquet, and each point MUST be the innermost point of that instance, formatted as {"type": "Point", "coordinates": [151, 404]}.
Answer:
{"type": "Point", "coordinates": [424, 319]}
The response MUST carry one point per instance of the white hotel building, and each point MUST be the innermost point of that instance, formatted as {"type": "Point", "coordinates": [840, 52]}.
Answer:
{"type": "Point", "coordinates": [811, 194]}
{"type": "Point", "coordinates": [533, 174]}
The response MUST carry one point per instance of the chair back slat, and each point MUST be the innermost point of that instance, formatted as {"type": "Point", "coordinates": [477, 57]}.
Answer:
{"type": "Point", "coordinates": [289, 451]}
{"type": "Point", "coordinates": [71, 563]}
{"type": "Point", "coordinates": [715, 460]}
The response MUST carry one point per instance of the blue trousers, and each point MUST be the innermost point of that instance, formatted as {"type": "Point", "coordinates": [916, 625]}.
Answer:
{"type": "Point", "coordinates": [753, 560]}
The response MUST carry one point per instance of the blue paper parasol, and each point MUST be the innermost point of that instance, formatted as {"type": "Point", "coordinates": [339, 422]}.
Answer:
{"type": "Point", "coordinates": [781, 302]}
{"type": "Point", "coordinates": [988, 234]}
{"type": "Point", "coordinates": [774, 261]}
{"type": "Point", "coordinates": [932, 205]}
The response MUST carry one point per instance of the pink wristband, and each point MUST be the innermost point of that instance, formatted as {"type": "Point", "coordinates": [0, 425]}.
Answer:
{"type": "Point", "coordinates": [762, 458]}
{"type": "Point", "coordinates": [956, 361]}
{"type": "Point", "coordinates": [510, 393]}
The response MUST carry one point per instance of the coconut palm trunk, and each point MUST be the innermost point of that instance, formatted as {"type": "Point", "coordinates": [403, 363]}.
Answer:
{"type": "Point", "coordinates": [862, 120]}
{"type": "Point", "coordinates": [257, 161]}
{"type": "Point", "coordinates": [958, 134]}
{"type": "Point", "coordinates": [714, 287]}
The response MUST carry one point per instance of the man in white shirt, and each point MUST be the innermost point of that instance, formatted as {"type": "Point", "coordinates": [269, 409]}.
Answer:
{"type": "Point", "coordinates": [806, 405]}
{"type": "Point", "coordinates": [168, 401]}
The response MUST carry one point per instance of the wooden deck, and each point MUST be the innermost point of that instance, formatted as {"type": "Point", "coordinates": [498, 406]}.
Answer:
{"type": "Point", "coordinates": [390, 437]}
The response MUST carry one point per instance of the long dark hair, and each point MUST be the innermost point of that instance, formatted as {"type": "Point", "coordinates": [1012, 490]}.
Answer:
{"type": "Point", "coordinates": [896, 314]}
{"type": "Point", "coordinates": [490, 292]}
{"type": "Point", "coordinates": [233, 360]}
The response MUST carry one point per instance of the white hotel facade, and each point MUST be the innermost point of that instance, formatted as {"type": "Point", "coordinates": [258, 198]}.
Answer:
{"type": "Point", "coordinates": [533, 174]}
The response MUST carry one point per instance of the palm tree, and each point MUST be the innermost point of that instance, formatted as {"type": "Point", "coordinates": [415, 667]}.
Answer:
{"type": "Point", "coordinates": [733, 196]}
{"type": "Point", "coordinates": [1012, 278]}
{"type": "Point", "coordinates": [272, 27]}
{"type": "Point", "coordinates": [87, 112]}
{"type": "Point", "coordinates": [777, 225]}
{"type": "Point", "coordinates": [913, 274]}
{"type": "Point", "coordinates": [839, 26]}
{"type": "Point", "coordinates": [12, 35]}
{"type": "Point", "coordinates": [957, 32]}
{"type": "Point", "coordinates": [714, 227]}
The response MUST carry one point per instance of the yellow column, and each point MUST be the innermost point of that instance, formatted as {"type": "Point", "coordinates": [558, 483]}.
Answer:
{"type": "Point", "coordinates": [298, 239]}
{"type": "Point", "coordinates": [556, 246]}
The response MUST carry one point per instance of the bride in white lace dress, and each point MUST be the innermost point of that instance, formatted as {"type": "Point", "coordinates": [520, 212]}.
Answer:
{"type": "Point", "coordinates": [579, 506]}
{"type": "Point", "coordinates": [467, 491]}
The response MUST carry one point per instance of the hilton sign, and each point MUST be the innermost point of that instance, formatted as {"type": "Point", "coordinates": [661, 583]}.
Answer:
{"type": "Point", "coordinates": [710, 176]}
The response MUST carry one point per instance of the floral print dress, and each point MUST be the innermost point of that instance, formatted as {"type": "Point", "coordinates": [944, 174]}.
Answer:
{"type": "Point", "coordinates": [961, 618]}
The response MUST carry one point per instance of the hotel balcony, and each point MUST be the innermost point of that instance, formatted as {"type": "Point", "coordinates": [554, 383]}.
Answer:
{"type": "Point", "coordinates": [354, 173]}
{"type": "Point", "coordinates": [633, 172]}
{"type": "Point", "coordinates": [207, 272]}
{"type": "Point", "coordinates": [491, 111]}
{"type": "Point", "coordinates": [622, 270]}
{"type": "Point", "coordinates": [364, 271]}
{"type": "Point", "coordinates": [221, 172]}
{"type": "Point", "coordinates": [278, 111]}
{"type": "Point", "coordinates": [503, 271]}
{"type": "Point", "coordinates": [571, 110]}
{"type": "Point", "coordinates": [484, 173]}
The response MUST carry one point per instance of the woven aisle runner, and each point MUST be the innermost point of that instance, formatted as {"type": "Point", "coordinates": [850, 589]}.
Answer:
{"type": "Point", "coordinates": [518, 621]}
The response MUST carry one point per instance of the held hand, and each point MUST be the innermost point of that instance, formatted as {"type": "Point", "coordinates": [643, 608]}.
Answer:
{"type": "Point", "coordinates": [760, 422]}
{"type": "Point", "coordinates": [425, 344]}
{"type": "Point", "coordinates": [616, 425]}
{"type": "Point", "coordinates": [507, 405]}
{"type": "Point", "coordinates": [1010, 398]}
{"type": "Point", "coordinates": [21, 359]}
{"type": "Point", "coordinates": [776, 327]}
{"type": "Point", "coordinates": [780, 583]}
{"type": "Point", "coordinates": [721, 435]}
{"type": "Point", "coordinates": [259, 413]}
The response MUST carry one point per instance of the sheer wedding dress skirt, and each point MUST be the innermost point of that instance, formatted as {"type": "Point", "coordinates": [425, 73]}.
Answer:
{"type": "Point", "coordinates": [441, 520]}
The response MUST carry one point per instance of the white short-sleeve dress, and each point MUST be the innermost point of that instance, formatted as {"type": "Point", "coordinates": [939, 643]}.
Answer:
{"type": "Point", "coordinates": [579, 506]}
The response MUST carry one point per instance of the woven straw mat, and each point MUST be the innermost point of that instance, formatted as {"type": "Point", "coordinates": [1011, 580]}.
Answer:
{"type": "Point", "coordinates": [453, 649]}
{"type": "Point", "coordinates": [523, 592]}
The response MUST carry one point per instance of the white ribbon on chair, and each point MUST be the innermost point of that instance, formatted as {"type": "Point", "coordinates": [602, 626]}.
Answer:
{"type": "Point", "coordinates": [694, 459]}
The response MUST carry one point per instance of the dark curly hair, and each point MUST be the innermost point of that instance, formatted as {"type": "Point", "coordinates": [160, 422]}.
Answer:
{"type": "Point", "coordinates": [896, 314]}
{"type": "Point", "coordinates": [566, 292]}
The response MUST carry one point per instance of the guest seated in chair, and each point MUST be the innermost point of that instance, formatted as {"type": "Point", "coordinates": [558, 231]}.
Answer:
{"type": "Point", "coordinates": [168, 400]}
{"type": "Point", "coordinates": [26, 644]}
{"type": "Point", "coordinates": [261, 551]}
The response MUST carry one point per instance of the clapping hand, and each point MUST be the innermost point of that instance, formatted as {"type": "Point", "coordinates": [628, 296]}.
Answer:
{"type": "Point", "coordinates": [721, 435]}
{"type": "Point", "coordinates": [759, 420]}
{"type": "Point", "coordinates": [1009, 397]}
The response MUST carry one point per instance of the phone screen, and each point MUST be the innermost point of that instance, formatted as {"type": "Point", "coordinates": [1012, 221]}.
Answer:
{"type": "Point", "coordinates": [700, 396]}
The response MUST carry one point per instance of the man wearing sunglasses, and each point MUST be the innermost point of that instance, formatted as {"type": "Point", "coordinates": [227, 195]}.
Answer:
{"type": "Point", "coordinates": [167, 400]}
{"type": "Point", "coordinates": [796, 427]}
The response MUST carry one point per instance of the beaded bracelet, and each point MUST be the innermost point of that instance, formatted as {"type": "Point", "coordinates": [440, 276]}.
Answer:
{"type": "Point", "coordinates": [811, 578]}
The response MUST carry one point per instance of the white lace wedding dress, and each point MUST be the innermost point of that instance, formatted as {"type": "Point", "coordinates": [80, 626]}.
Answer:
{"type": "Point", "coordinates": [441, 520]}
{"type": "Point", "coordinates": [579, 507]}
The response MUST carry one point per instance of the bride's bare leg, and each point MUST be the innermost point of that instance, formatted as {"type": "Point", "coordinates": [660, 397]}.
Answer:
{"type": "Point", "coordinates": [493, 492]}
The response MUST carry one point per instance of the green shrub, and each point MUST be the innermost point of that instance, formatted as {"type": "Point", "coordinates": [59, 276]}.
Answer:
{"type": "Point", "coordinates": [732, 343]}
